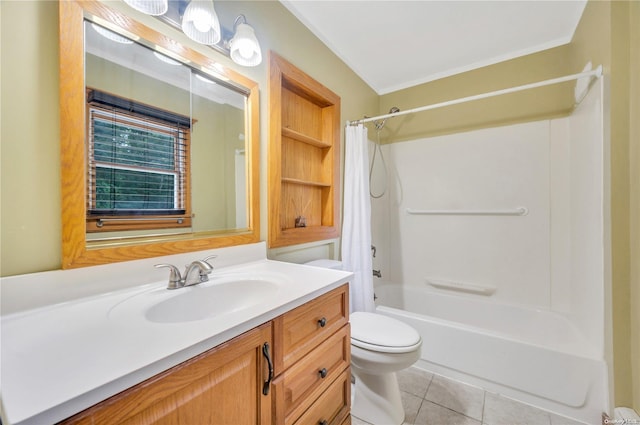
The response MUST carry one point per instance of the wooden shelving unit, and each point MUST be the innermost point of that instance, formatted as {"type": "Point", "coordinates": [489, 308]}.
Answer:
{"type": "Point", "coordinates": [304, 157]}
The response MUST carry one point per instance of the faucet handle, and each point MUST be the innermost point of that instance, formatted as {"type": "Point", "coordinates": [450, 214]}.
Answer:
{"type": "Point", "coordinates": [175, 279]}
{"type": "Point", "coordinates": [210, 257]}
{"type": "Point", "coordinates": [206, 261]}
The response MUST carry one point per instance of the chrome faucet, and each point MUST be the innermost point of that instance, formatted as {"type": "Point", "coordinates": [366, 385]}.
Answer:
{"type": "Point", "coordinates": [195, 273]}
{"type": "Point", "coordinates": [377, 273]}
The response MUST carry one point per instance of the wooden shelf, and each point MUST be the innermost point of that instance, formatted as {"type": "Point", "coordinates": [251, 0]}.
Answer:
{"type": "Point", "coordinates": [304, 157]}
{"type": "Point", "coordinates": [305, 182]}
{"type": "Point", "coordinates": [292, 134]}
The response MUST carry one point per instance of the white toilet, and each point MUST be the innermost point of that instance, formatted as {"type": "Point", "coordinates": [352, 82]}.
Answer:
{"type": "Point", "coordinates": [380, 346]}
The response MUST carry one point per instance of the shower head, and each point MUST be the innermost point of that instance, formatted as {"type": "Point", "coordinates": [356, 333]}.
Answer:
{"type": "Point", "coordinates": [380, 123]}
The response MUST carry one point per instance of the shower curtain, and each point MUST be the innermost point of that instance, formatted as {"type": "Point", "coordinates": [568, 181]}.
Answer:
{"type": "Point", "coordinates": [356, 224]}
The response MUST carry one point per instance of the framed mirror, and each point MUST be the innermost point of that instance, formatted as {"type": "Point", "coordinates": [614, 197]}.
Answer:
{"type": "Point", "coordinates": [159, 143]}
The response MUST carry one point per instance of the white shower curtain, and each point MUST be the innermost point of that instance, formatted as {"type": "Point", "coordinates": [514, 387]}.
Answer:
{"type": "Point", "coordinates": [356, 224]}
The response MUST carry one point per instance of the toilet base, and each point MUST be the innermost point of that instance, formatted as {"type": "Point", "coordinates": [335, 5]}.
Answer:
{"type": "Point", "coordinates": [377, 400]}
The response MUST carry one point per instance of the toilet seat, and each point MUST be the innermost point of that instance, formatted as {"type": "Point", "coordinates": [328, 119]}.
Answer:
{"type": "Point", "coordinates": [375, 332]}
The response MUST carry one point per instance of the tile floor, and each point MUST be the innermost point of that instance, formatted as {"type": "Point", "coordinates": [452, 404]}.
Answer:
{"type": "Point", "coordinates": [430, 399]}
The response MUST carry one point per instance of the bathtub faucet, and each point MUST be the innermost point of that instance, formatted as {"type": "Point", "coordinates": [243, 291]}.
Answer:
{"type": "Point", "coordinates": [377, 273]}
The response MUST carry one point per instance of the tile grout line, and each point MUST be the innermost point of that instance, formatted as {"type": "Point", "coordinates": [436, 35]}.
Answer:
{"type": "Point", "coordinates": [484, 401]}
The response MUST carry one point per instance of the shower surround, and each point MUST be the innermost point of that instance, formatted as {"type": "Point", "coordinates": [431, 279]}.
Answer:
{"type": "Point", "coordinates": [552, 259]}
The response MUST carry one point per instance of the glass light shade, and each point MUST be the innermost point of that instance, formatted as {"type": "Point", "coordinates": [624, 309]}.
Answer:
{"type": "Point", "coordinates": [200, 22]}
{"type": "Point", "coordinates": [244, 47]}
{"type": "Point", "coordinates": [150, 7]}
{"type": "Point", "coordinates": [110, 35]}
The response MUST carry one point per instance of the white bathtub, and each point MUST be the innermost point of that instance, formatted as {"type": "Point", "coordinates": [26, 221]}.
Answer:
{"type": "Point", "coordinates": [535, 356]}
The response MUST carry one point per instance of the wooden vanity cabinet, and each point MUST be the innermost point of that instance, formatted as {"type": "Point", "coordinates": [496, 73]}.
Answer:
{"type": "Point", "coordinates": [309, 348]}
{"type": "Point", "coordinates": [220, 386]}
{"type": "Point", "coordinates": [312, 358]}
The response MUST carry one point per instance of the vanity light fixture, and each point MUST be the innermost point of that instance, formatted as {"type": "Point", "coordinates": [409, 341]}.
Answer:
{"type": "Point", "coordinates": [150, 7]}
{"type": "Point", "coordinates": [244, 48]}
{"type": "Point", "coordinates": [200, 22]}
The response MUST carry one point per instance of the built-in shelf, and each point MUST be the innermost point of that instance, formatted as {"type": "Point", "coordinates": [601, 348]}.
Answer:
{"type": "Point", "coordinates": [305, 182]}
{"type": "Point", "coordinates": [292, 134]}
{"type": "Point", "coordinates": [304, 157]}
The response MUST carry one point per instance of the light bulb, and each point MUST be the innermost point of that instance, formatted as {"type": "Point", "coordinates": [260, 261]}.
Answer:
{"type": "Point", "coordinates": [202, 22]}
{"type": "Point", "coordinates": [245, 49]}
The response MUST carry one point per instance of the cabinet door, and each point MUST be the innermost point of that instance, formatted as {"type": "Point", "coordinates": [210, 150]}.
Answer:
{"type": "Point", "coordinates": [221, 386]}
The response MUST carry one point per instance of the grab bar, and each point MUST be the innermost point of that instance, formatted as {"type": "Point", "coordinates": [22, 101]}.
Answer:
{"type": "Point", "coordinates": [462, 287]}
{"type": "Point", "coordinates": [516, 211]}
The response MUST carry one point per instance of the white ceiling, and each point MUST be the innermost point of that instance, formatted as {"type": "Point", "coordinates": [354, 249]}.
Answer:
{"type": "Point", "coordinates": [393, 44]}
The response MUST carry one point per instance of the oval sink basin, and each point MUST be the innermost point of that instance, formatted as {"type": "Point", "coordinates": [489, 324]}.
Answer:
{"type": "Point", "coordinates": [202, 302]}
{"type": "Point", "coordinates": [207, 300]}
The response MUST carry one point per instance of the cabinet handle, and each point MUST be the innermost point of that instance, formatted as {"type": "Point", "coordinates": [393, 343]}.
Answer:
{"type": "Point", "coordinates": [322, 322]}
{"type": "Point", "coordinates": [323, 372]}
{"type": "Point", "coordinates": [323, 422]}
{"type": "Point", "coordinates": [267, 383]}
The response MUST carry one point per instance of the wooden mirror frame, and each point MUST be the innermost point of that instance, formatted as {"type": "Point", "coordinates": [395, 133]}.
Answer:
{"type": "Point", "coordinates": [75, 251]}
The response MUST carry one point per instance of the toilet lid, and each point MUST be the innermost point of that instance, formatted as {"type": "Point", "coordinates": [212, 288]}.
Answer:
{"type": "Point", "coordinates": [382, 333]}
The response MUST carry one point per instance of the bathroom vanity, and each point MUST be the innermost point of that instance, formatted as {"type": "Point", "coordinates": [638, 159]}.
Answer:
{"type": "Point", "coordinates": [281, 357]}
{"type": "Point", "coordinates": [232, 383]}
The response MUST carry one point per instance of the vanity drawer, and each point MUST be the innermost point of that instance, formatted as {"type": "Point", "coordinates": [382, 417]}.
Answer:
{"type": "Point", "coordinates": [308, 378]}
{"type": "Point", "coordinates": [332, 407]}
{"type": "Point", "coordinates": [299, 331]}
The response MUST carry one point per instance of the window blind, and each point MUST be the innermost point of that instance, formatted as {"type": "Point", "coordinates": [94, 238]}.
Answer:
{"type": "Point", "coordinates": [110, 101]}
{"type": "Point", "coordinates": [138, 163]}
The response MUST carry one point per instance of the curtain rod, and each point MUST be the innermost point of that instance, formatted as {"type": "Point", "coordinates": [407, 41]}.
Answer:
{"type": "Point", "coordinates": [594, 73]}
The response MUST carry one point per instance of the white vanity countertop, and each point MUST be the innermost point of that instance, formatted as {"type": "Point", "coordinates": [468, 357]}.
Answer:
{"type": "Point", "coordinates": [58, 360]}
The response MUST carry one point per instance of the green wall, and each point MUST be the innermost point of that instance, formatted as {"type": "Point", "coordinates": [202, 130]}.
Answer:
{"type": "Point", "coordinates": [634, 159]}
{"type": "Point", "coordinates": [30, 226]}
{"type": "Point", "coordinates": [530, 105]}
